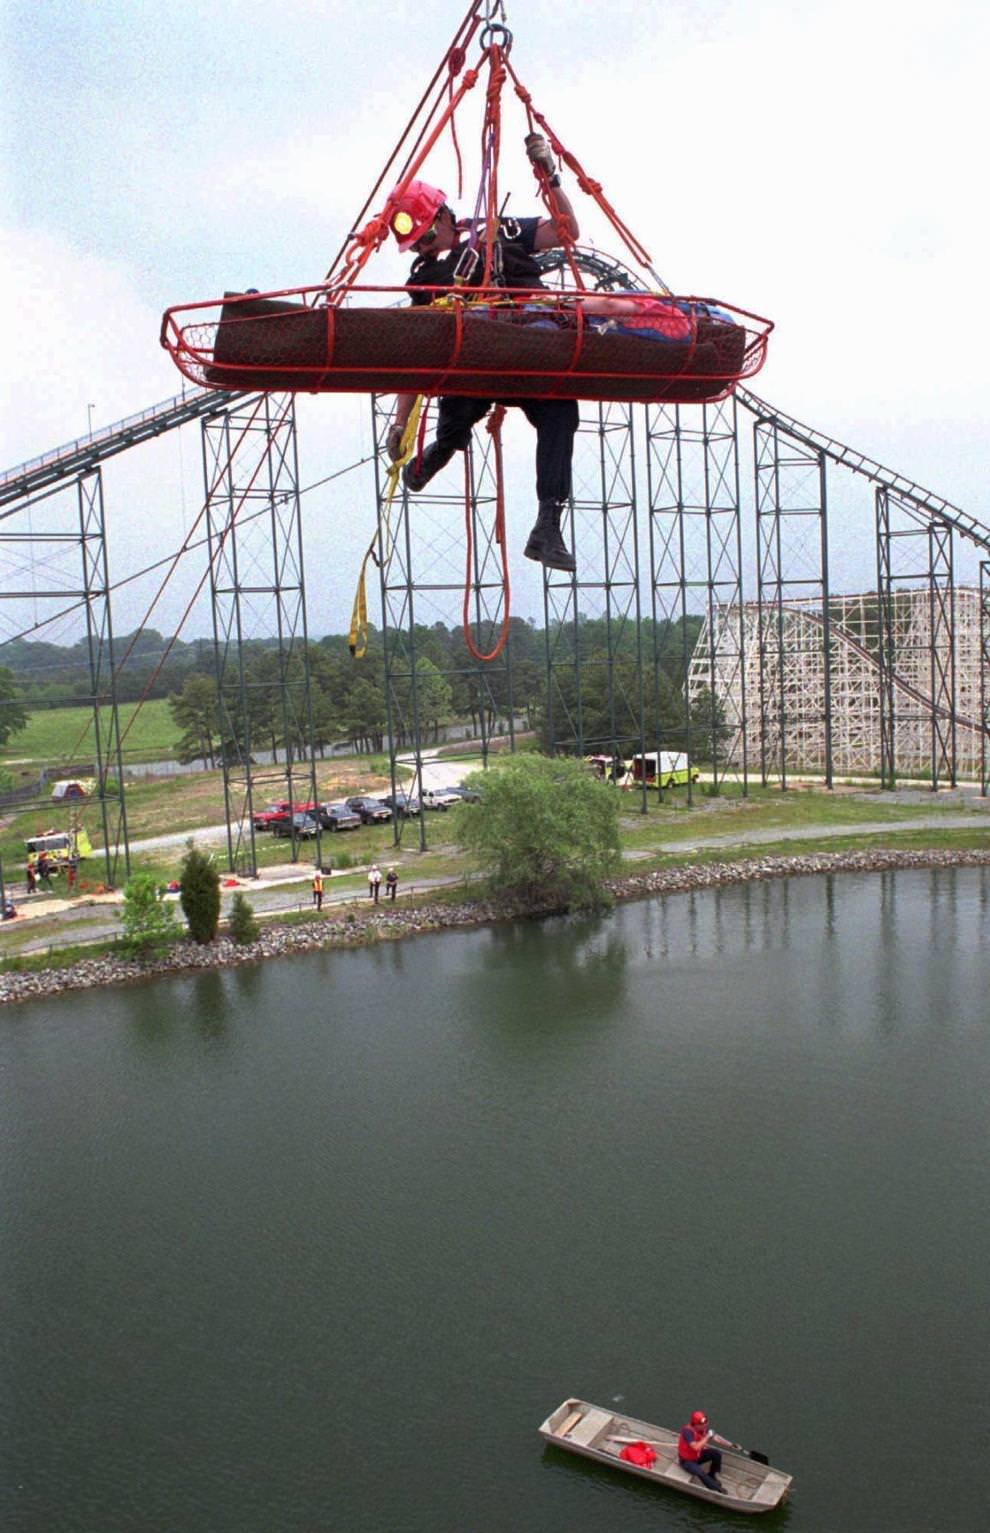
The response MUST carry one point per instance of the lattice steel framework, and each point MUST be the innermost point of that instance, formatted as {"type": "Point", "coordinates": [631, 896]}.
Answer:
{"type": "Point", "coordinates": [792, 562]}
{"type": "Point", "coordinates": [917, 643]}
{"type": "Point", "coordinates": [99, 649]}
{"type": "Point", "coordinates": [73, 526]}
{"type": "Point", "coordinates": [696, 557]}
{"type": "Point", "coordinates": [257, 589]}
{"type": "Point", "coordinates": [425, 576]}
{"type": "Point", "coordinates": [596, 698]}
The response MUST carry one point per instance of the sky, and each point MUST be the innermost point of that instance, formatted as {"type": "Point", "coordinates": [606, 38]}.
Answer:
{"type": "Point", "coordinates": [816, 161]}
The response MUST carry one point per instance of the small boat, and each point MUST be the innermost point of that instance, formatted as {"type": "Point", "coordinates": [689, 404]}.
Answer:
{"type": "Point", "coordinates": [597, 1433]}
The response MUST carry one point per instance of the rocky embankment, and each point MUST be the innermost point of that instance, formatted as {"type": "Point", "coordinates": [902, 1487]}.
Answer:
{"type": "Point", "coordinates": [357, 928]}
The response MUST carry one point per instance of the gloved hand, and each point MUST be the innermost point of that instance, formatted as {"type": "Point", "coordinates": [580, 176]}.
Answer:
{"type": "Point", "coordinates": [540, 153]}
{"type": "Point", "coordinates": [393, 442]}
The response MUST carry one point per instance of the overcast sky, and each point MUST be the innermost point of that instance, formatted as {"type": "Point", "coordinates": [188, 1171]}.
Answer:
{"type": "Point", "coordinates": [817, 161]}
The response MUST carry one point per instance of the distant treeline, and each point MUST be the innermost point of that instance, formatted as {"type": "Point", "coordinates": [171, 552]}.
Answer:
{"type": "Point", "coordinates": [577, 679]}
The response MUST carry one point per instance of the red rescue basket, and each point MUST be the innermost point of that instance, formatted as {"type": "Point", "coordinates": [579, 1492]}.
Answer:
{"type": "Point", "coordinates": [493, 344]}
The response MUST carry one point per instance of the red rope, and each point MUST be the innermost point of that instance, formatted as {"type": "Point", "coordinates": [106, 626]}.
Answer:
{"type": "Point", "coordinates": [495, 420]}
{"type": "Point", "coordinates": [374, 233]}
{"type": "Point", "coordinates": [491, 143]}
{"type": "Point", "coordinates": [454, 61]}
{"type": "Point", "coordinates": [591, 188]}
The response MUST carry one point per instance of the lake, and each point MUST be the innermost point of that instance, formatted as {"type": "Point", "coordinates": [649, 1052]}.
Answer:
{"type": "Point", "coordinates": [317, 1244]}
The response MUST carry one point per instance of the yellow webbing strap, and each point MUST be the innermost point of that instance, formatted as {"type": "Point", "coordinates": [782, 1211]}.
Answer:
{"type": "Point", "coordinates": [358, 639]}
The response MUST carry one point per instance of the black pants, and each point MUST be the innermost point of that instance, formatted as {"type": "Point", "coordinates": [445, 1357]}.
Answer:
{"type": "Point", "coordinates": [709, 1457]}
{"type": "Point", "coordinates": [555, 422]}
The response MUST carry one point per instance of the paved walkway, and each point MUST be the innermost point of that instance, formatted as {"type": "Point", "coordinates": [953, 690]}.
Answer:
{"type": "Point", "coordinates": [287, 888]}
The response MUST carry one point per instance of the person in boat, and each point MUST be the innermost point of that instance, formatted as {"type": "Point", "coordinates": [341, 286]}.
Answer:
{"type": "Point", "coordinates": [421, 221]}
{"type": "Point", "coordinates": [696, 1452]}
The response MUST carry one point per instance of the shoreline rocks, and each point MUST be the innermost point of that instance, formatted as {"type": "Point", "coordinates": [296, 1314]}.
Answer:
{"type": "Point", "coordinates": [350, 928]}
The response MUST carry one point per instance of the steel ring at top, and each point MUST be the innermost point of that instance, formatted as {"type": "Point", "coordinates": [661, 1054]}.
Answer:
{"type": "Point", "coordinates": [488, 36]}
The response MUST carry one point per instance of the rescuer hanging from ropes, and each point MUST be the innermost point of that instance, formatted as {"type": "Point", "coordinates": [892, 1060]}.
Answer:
{"type": "Point", "coordinates": [447, 255]}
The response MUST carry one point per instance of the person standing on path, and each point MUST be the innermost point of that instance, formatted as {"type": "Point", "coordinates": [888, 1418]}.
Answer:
{"type": "Point", "coordinates": [32, 882]}
{"type": "Point", "coordinates": [391, 883]}
{"type": "Point", "coordinates": [318, 888]}
{"type": "Point", "coordinates": [374, 881]}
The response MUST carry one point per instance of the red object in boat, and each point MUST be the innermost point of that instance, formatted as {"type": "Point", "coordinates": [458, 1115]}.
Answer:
{"type": "Point", "coordinates": [640, 1454]}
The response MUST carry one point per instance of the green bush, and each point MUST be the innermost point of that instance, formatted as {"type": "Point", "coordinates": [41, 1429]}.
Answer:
{"type": "Point", "coordinates": [199, 894]}
{"type": "Point", "coordinates": [149, 924]}
{"type": "Point", "coordinates": [545, 832]}
{"type": "Point", "coordinates": [243, 924]}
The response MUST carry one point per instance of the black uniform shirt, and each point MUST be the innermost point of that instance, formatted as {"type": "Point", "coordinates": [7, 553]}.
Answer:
{"type": "Point", "coordinates": [516, 241]}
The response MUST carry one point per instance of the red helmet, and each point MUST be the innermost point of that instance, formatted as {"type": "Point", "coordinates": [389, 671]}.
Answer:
{"type": "Point", "coordinates": [699, 1419]}
{"type": "Point", "coordinates": [412, 214]}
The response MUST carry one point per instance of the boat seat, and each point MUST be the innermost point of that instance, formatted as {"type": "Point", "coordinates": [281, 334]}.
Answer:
{"type": "Point", "coordinates": [592, 1426]}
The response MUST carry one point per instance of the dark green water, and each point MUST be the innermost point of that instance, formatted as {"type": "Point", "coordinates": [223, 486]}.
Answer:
{"type": "Point", "coordinates": [318, 1245]}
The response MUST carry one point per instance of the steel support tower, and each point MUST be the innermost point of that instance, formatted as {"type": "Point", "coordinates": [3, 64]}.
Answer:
{"type": "Point", "coordinates": [257, 589]}
{"type": "Point", "coordinates": [696, 563]}
{"type": "Point", "coordinates": [917, 643]}
{"type": "Point", "coordinates": [792, 562]}
{"type": "Point", "coordinates": [595, 694]}
{"type": "Point", "coordinates": [41, 538]}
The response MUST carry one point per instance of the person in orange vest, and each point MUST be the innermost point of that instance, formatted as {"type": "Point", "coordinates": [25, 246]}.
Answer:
{"type": "Point", "coordinates": [697, 1456]}
{"type": "Point", "coordinates": [318, 888]}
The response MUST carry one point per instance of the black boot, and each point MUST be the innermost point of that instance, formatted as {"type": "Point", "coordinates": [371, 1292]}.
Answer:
{"type": "Point", "coordinates": [545, 542]}
{"type": "Point", "coordinates": [417, 475]}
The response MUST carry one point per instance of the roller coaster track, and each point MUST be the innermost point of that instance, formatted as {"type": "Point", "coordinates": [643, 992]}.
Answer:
{"type": "Point", "coordinates": [923, 503]}
{"type": "Point", "coordinates": [86, 452]}
{"type": "Point", "coordinates": [900, 683]}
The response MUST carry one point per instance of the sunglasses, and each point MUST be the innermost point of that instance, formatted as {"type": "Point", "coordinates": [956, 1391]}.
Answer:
{"type": "Point", "coordinates": [428, 236]}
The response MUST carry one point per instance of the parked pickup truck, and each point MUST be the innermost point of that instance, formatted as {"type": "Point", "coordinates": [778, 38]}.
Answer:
{"type": "Point", "coordinates": [438, 798]}
{"type": "Point", "coordinates": [279, 813]}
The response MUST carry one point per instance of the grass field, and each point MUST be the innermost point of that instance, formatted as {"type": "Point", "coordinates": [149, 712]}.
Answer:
{"type": "Point", "coordinates": [66, 734]}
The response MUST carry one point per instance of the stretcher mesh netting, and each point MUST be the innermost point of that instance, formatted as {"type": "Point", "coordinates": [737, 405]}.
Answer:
{"type": "Point", "coordinates": [535, 345]}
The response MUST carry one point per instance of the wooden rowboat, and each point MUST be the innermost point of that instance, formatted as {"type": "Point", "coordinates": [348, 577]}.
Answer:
{"type": "Point", "coordinates": [598, 1433]}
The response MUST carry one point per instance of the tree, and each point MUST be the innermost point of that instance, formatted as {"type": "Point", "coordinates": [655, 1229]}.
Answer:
{"type": "Point", "coordinates": [13, 714]}
{"type": "Point", "coordinates": [149, 924]}
{"type": "Point", "coordinates": [199, 895]}
{"type": "Point", "coordinates": [433, 697]}
{"type": "Point", "coordinates": [195, 711]}
{"type": "Point", "coordinates": [545, 832]}
{"type": "Point", "coordinates": [243, 924]}
{"type": "Point", "coordinates": [710, 733]}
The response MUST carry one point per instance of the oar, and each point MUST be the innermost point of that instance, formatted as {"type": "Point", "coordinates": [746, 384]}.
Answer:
{"type": "Point", "coordinates": [759, 1458]}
